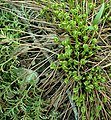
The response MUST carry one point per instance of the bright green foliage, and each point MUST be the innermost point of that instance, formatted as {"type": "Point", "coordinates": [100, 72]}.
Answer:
{"type": "Point", "coordinates": [78, 49]}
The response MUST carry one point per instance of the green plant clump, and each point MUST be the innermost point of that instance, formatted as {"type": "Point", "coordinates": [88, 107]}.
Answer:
{"type": "Point", "coordinates": [79, 48]}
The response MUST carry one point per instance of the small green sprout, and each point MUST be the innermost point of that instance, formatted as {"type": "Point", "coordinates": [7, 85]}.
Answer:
{"type": "Point", "coordinates": [53, 66]}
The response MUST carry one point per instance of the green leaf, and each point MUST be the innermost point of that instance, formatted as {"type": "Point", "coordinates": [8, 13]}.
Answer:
{"type": "Point", "coordinates": [98, 16]}
{"type": "Point", "coordinates": [86, 47]}
{"type": "Point", "coordinates": [66, 42]}
{"type": "Point", "coordinates": [91, 86]}
{"type": "Point", "coordinates": [61, 56]}
{"type": "Point", "coordinates": [75, 90]}
{"type": "Point", "coordinates": [83, 109]}
{"type": "Point", "coordinates": [91, 98]}
{"type": "Point", "coordinates": [66, 80]}
{"type": "Point", "coordinates": [75, 62]}
{"type": "Point", "coordinates": [109, 18]}
{"type": "Point", "coordinates": [53, 66]}
{"type": "Point", "coordinates": [86, 83]}
{"type": "Point", "coordinates": [90, 27]}
{"type": "Point", "coordinates": [68, 53]}
{"type": "Point", "coordinates": [83, 61]}
{"type": "Point", "coordinates": [83, 117]}
{"type": "Point", "coordinates": [85, 38]}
